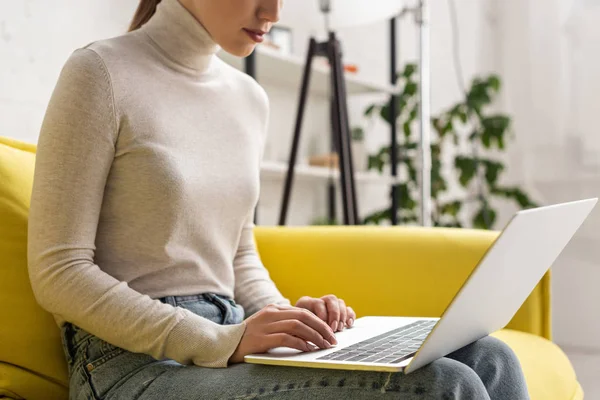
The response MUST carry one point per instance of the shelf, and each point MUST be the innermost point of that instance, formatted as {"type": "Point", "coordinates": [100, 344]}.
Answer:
{"type": "Point", "coordinates": [273, 68]}
{"type": "Point", "coordinates": [278, 170]}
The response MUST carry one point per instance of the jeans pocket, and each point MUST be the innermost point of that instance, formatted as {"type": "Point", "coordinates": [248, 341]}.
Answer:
{"type": "Point", "coordinates": [98, 354]}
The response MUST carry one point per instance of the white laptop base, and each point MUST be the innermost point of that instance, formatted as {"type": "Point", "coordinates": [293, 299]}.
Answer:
{"type": "Point", "coordinates": [487, 301]}
{"type": "Point", "coordinates": [364, 328]}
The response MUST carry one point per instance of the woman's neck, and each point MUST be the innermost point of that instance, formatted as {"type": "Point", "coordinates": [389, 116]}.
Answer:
{"type": "Point", "coordinates": [181, 36]}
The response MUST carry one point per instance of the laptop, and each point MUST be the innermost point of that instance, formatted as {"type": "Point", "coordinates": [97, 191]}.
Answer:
{"type": "Point", "coordinates": [486, 302]}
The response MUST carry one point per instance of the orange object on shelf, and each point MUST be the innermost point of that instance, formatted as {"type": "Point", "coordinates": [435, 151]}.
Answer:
{"type": "Point", "coordinates": [324, 160]}
{"type": "Point", "coordinates": [353, 68]}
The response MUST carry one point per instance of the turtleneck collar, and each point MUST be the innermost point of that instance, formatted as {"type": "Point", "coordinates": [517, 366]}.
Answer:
{"type": "Point", "coordinates": [181, 36]}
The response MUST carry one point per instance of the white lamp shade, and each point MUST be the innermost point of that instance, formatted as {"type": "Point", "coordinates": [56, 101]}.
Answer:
{"type": "Point", "coordinates": [306, 14]}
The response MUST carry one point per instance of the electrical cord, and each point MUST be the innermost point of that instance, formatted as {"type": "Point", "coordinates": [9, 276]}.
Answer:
{"type": "Point", "coordinates": [461, 84]}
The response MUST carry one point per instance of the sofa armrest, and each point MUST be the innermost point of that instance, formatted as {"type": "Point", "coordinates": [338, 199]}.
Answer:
{"type": "Point", "coordinates": [405, 271]}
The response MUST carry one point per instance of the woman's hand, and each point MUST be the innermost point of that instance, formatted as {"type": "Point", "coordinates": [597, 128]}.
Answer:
{"type": "Point", "coordinates": [330, 309]}
{"type": "Point", "coordinates": [283, 326]}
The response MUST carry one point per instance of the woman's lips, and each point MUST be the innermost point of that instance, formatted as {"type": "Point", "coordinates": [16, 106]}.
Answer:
{"type": "Point", "coordinates": [257, 36]}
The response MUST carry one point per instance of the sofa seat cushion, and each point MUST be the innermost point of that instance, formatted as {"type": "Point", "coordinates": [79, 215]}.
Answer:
{"type": "Point", "coordinates": [547, 369]}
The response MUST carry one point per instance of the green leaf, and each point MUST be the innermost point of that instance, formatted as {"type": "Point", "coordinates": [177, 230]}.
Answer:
{"type": "Point", "coordinates": [449, 126]}
{"type": "Point", "coordinates": [435, 122]}
{"type": "Point", "coordinates": [384, 113]}
{"type": "Point", "coordinates": [413, 113]}
{"type": "Point", "coordinates": [515, 194]}
{"type": "Point", "coordinates": [492, 170]}
{"type": "Point", "coordinates": [401, 105]}
{"type": "Point", "coordinates": [408, 146]}
{"type": "Point", "coordinates": [478, 95]}
{"type": "Point", "coordinates": [452, 208]}
{"type": "Point", "coordinates": [438, 183]}
{"type": "Point", "coordinates": [467, 167]}
{"type": "Point", "coordinates": [522, 198]}
{"type": "Point", "coordinates": [409, 70]}
{"type": "Point", "coordinates": [376, 162]}
{"type": "Point", "coordinates": [410, 88]}
{"type": "Point", "coordinates": [406, 129]}
{"type": "Point", "coordinates": [486, 139]}
{"type": "Point", "coordinates": [408, 218]}
{"type": "Point", "coordinates": [497, 123]}
{"type": "Point", "coordinates": [378, 216]}
{"type": "Point", "coordinates": [494, 82]}
{"type": "Point", "coordinates": [485, 218]}
{"type": "Point", "coordinates": [405, 198]}
{"type": "Point", "coordinates": [412, 171]}
{"type": "Point", "coordinates": [370, 110]}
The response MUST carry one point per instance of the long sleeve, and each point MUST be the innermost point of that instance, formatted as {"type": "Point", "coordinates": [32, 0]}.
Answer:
{"type": "Point", "coordinates": [76, 149]}
{"type": "Point", "coordinates": [254, 288]}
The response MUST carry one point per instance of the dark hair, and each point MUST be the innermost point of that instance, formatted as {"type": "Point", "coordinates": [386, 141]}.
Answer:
{"type": "Point", "coordinates": [144, 12]}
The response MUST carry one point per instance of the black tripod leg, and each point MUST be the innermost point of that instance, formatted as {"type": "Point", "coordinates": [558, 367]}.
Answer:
{"type": "Point", "coordinates": [299, 116]}
{"type": "Point", "coordinates": [346, 136]}
{"type": "Point", "coordinates": [331, 186]}
{"type": "Point", "coordinates": [338, 128]}
{"type": "Point", "coordinates": [346, 168]}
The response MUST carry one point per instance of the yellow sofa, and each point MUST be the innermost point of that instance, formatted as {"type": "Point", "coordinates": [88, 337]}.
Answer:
{"type": "Point", "coordinates": [379, 271]}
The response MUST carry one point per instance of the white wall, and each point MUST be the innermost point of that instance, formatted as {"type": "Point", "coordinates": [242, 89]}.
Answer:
{"type": "Point", "coordinates": [36, 38]}
{"type": "Point", "coordinates": [555, 144]}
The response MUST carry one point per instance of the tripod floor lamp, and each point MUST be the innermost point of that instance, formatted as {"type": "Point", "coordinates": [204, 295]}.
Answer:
{"type": "Point", "coordinates": [334, 14]}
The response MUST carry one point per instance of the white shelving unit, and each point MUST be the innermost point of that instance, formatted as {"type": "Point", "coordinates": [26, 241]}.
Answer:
{"type": "Point", "coordinates": [277, 170]}
{"type": "Point", "coordinates": [286, 71]}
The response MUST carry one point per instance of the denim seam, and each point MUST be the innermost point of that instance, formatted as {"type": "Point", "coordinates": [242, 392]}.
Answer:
{"type": "Point", "coordinates": [87, 384]}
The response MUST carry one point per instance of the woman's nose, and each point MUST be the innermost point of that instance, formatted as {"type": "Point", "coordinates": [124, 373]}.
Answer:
{"type": "Point", "coordinates": [270, 10]}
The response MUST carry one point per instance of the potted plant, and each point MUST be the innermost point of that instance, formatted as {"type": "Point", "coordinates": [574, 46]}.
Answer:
{"type": "Point", "coordinates": [468, 134]}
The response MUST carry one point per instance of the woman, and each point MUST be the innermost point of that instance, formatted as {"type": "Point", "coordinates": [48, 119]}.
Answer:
{"type": "Point", "coordinates": [140, 232]}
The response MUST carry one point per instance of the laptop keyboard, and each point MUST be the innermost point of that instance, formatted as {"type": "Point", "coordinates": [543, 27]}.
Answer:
{"type": "Point", "coordinates": [391, 347]}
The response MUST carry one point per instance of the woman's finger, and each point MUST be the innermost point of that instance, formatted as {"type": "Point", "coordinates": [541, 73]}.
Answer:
{"type": "Point", "coordinates": [320, 309]}
{"type": "Point", "coordinates": [299, 329]}
{"type": "Point", "coordinates": [343, 314]}
{"type": "Point", "coordinates": [333, 311]}
{"type": "Point", "coordinates": [351, 316]}
{"type": "Point", "coordinates": [285, 340]}
{"type": "Point", "coordinates": [307, 318]}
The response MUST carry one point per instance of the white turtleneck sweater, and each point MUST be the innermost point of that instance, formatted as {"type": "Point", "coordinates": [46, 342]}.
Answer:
{"type": "Point", "coordinates": [146, 178]}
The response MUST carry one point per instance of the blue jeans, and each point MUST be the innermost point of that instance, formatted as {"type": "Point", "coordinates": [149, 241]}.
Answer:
{"type": "Point", "coordinates": [486, 369]}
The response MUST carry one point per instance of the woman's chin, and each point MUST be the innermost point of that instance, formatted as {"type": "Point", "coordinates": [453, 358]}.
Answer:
{"type": "Point", "coordinates": [240, 51]}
